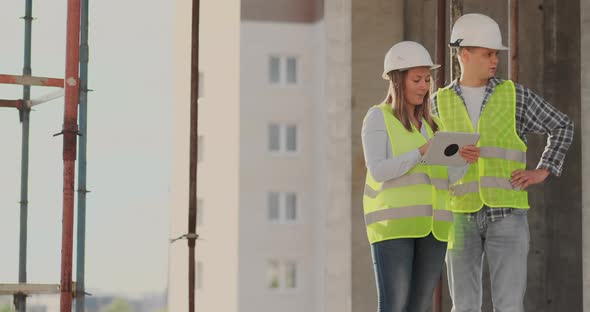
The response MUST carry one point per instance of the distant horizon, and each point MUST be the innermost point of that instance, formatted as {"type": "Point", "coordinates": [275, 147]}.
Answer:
{"type": "Point", "coordinates": [52, 301]}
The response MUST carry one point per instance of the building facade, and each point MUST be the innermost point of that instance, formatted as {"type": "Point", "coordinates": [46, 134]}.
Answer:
{"type": "Point", "coordinates": [273, 176]}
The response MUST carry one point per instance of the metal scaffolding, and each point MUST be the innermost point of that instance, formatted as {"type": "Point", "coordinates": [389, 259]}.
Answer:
{"type": "Point", "coordinates": [194, 150]}
{"type": "Point", "coordinates": [74, 88]}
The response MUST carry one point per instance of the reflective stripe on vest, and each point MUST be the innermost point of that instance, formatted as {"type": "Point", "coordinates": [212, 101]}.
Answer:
{"type": "Point", "coordinates": [502, 151]}
{"type": "Point", "coordinates": [408, 212]}
{"type": "Point", "coordinates": [406, 180]}
{"type": "Point", "coordinates": [473, 187]}
{"type": "Point", "coordinates": [413, 205]}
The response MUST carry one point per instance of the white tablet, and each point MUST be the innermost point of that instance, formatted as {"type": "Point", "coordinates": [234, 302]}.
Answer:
{"type": "Point", "coordinates": [445, 146]}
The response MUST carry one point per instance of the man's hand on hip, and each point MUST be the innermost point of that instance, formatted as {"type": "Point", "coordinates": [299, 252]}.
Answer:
{"type": "Point", "coordinates": [524, 178]}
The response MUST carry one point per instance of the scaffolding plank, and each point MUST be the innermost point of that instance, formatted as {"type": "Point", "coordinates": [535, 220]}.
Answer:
{"type": "Point", "coordinates": [32, 81]}
{"type": "Point", "coordinates": [30, 289]}
{"type": "Point", "coordinates": [11, 103]}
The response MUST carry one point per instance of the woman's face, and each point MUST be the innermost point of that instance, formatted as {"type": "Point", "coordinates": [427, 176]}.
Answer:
{"type": "Point", "coordinates": [417, 85]}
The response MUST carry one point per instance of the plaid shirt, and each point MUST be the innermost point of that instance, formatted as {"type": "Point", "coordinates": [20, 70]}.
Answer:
{"type": "Point", "coordinates": [533, 114]}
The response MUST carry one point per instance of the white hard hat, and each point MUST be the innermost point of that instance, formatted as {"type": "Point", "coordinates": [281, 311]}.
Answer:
{"type": "Point", "coordinates": [476, 30]}
{"type": "Point", "coordinates": [405, 55]}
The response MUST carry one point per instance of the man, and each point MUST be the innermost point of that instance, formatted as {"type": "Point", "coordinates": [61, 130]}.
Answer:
{"type": "Point", "coordinates": [490, 201]}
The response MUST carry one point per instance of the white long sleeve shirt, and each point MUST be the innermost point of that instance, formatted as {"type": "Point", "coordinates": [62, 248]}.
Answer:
{"type": "Point", "coordinates": [379, 158]}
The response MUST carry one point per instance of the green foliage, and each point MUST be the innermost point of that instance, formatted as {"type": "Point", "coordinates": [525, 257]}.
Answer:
{"type": "Point", "coordinates": [118, 305]}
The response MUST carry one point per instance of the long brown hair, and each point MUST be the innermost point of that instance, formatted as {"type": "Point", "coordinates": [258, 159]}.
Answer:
{"type": "Point", "coordinates": [396, 98]}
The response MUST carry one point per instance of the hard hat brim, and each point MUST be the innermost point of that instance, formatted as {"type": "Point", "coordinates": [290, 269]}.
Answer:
{"type": "Point", "coordinates": [499, 48]}
{"type": "Point", "coordinates": [431, 67]}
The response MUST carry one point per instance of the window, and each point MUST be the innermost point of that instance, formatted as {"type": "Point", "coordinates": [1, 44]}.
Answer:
{"type": "Point", "coordinates": [201, 84]}
{"type": "Point", "coordinates": [274, 137]}
{"type": "Point", "coordinates": [282, 275]}
{"type": "Point", "coordinates": [274, 74]}
{"type": "Point", "coordinates": [199, 277]}
{"type": "Point", "coordinates": [291, 138]}
{"type": "Point", "coordinates": [291, 207]}
{"type": "Point", "coordinates": [273, 206]}
{"type": "Point", "coordinates": [291, 70]}
{"type": "Point", "coordinates": [200, 152]}
{"type": "Point", "coordinates": [282, 70]}
{"type": "Point", "coordinates": [282, 207]}
{"type": "Point", "coordinates": [290, 274]}
{"type": "Point", "coordinates": [199, 211]}
{"type": "Point", "coordinates": [273, 274]}
{"type": "Point", "coordinates": [282, 138]}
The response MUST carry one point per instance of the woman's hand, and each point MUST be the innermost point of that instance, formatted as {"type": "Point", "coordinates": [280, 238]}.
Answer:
{"type": "Point", "coordinates": [424, 147]}
{"type": "Point", "coordinates": [470, 153]}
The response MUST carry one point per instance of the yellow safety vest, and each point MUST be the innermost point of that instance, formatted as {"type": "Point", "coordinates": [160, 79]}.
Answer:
{"type": "Point", "coordinates": [502, 151]}
{"type": "Point", "coordinates": [413, 205]}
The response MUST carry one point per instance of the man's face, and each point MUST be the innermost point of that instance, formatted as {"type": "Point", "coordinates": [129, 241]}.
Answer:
{"type": "Point", "coordinates": [481, 62]}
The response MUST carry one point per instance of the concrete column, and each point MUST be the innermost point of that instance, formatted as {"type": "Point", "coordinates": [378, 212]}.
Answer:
{"type": "Point", "coordinates": [561, 204]}
{"type": "Point", "coordinates": [336, 160]}
{"type": "Point", "coordinates": [376, 26]}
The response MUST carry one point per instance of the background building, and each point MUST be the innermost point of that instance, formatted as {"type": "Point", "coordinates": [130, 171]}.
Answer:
{"type": "Point", "coordinates": [269, 164]}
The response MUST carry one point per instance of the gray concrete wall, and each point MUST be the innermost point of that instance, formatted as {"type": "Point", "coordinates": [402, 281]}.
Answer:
{"type": "Point", "coordinates": [559, 232]}
{"type": "Point", "coordinates": [376, 26]}
{"type": "Point", "coordinates": [295, 11]}
{"type": "Point", "coordinates": [549, 65]}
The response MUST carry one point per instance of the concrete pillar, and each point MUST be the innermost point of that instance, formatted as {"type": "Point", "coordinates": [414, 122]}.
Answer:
{"type": "Point", "coordinates": [562, 198]}
{"type": "Point", "coordinates": [336, 160]}
{"type": "Point", "coordinates": [376, 26]}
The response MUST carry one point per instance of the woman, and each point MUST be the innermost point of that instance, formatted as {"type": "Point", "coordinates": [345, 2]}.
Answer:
{"type": "Point", "coordinates": [408, 224]}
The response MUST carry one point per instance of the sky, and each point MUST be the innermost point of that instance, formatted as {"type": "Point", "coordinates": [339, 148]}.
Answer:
{"type": "Point", "coordinates": [129, 145]}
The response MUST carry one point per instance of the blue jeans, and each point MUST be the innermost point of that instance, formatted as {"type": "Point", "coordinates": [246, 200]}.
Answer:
{"type": "Point", "coordinates": [406, 272]}
{"type": "Point", "coordinates": [505, 243]}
